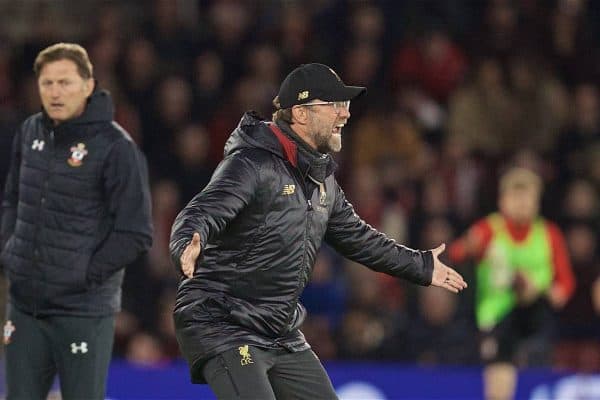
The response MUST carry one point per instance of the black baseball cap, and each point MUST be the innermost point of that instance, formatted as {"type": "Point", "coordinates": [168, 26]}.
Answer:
{"type": "Point", "coordinates": [315, 81]}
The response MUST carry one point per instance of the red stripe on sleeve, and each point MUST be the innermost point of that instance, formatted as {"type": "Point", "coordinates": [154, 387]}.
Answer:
{"type": "Point", "coordinates": [473, 244]}
{"type": "Point", "coordinates": [563, 272]}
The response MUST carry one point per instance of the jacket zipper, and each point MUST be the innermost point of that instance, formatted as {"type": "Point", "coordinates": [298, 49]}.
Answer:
{"type": "Point", "coordinates": [301, 272]}
{"type": "Point", "coordinates": [36, 251]}
{"type": "Point", "coordinates": [309, 210]}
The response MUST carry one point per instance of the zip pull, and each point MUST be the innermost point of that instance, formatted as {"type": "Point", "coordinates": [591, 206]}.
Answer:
{"type": "Point", "coordinates": [322, 192]}
{"type": "Point", "coordinates": [310, 207]}
{"type": "Point", "coordinates": [322, 195]}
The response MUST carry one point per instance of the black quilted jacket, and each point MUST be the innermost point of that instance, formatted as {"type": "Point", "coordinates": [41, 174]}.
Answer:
{"type": "Point", "coordinates": [261, 221]}
{"type": "Point", "coordinates": [76, 210]}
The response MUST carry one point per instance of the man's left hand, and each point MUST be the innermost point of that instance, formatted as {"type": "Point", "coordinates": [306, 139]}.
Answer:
{"type": "Point", "coordinates": [444, 276]}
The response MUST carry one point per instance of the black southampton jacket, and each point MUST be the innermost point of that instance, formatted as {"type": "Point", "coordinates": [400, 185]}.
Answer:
{"type": "Point", "coordinates": [261, 223]}
{"type": "Point", "coordinates": [76, 210]}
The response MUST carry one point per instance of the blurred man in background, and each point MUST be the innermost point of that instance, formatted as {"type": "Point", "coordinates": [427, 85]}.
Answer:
{"type": "Point", "coordinates": [76, 210]}
{"type": "Point", "coordinates": [523, 273]}
{"type": "Point", "coordinates": [246, 245]}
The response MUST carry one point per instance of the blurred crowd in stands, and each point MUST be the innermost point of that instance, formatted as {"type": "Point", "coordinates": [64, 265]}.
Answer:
{"type": "Point", "coordinates": [457, 91]}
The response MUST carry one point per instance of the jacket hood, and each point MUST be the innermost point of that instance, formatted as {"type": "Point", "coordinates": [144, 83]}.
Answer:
{"type": "Point", "coordinates": [253, 132]}
{"type": "Point", "coordinates": [99, 108]}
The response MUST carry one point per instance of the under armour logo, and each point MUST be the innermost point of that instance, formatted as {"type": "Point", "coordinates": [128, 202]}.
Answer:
{"type": "Point", "coordinates": [37, 145]}
{"type": "Point", "coordinates": [83, 348]}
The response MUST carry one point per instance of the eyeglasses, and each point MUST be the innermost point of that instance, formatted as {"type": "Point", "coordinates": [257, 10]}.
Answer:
{"type": "Point", "coordinates": [337, 105]}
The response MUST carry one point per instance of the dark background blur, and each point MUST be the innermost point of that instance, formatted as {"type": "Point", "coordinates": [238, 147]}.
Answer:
{"type": "Point", "coordinates": [458, 90]}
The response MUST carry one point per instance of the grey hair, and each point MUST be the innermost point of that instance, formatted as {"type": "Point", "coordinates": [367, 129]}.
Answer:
{"type": "Point", "coordinates": [281, 114]}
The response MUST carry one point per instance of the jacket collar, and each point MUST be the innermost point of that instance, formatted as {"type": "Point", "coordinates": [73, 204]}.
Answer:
{"type": "Point", "coordinates": [310, 162]}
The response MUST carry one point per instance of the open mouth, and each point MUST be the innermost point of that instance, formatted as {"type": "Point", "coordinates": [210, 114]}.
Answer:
{"type": "Point", "coordinates": [338, 129]}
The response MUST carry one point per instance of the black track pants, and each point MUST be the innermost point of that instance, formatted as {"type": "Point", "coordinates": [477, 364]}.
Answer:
{"type": "Point", "coordinates": [78, 349]}
{"type": "Point", "coordinates": [255, 373]}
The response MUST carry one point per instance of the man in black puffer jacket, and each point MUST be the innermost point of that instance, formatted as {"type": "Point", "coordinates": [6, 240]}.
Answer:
{"type": "Point", "coordinates": [246, 246]}
{"type": "Point", "coordinates": [76, 210]}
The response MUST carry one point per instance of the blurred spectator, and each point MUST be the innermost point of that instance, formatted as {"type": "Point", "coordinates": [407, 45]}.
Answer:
{"type": "Point", "coordinates": [382, 138]}
{"type": "Point", "coordinates": [362, 64]}
{"type": "Point", "coordinates": [295, 34]}
{"type": "Point", "coordinates": [593, 161]}
{"type": "Point", "coordinates": [248, 93]}
{"type": "Point", "coordinates": [367, 24]}
{"type": "Point", "coordinates": [229, 22]}
{"type": "Point", "coordinates": [481, 112]}
{"type": "Point", "coordinates": [523, 274]}
{"type": "Point", "coordinates": [325, 295]}
{"type": "Point", "coordinates": [168, 33]}
{"type": "Point", "coordinates": [110, 21]}
{"type": "Point", "coordinates": [437, 336]}
{"type": "Point", "coordinates": [581, 202]}
{"type": "Point", "coordinates": [104, 53]}
{"type": "Point", "coordinates": [581, 134]}
{"type": "Point", "coordinates": [139, 73]}
{"type": "Point", "coordinates": [499, 33]}
{"type": "Point", "coordinates": [539, 105]}
{"type": "Point", "coordinates": [172, 111]}
{"type": "Point", "coordinates": [433, 61]}
{"type": "Point", "coordinates": [325, 300]}
{"type": "Point", "coordinates": [193, 170]}
{"type": "Point", "coordinates": [208, 81]}
{"type": "Point", "coordinates": [371, 328]}
{"type": "Point", "coordinates": [571, 40]}
{"type": "Point", "coordinates": [8, 122]}
{"type": "Point", "coordinates": [579, 348]}
{"type": "Point", "coordinates": [430, 115]}
{"type": "Point", "coordinates": [462, 177]}
{"type": "Point", "coordinates": [139, 70]}
{"type": "Point", "coordinates": [166, 201]}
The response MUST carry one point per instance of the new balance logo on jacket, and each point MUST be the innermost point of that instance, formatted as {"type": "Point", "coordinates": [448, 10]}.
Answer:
{"type": "Point", "coordinates": [288, 189]}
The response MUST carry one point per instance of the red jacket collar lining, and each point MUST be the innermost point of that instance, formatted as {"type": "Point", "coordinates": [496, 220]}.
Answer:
{"type": "Point", "coordinates": [289, 148]}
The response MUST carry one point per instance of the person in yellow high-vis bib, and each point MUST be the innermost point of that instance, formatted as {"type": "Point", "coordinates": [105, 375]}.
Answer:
{"type": "Point", "coordinates": [523, 273]}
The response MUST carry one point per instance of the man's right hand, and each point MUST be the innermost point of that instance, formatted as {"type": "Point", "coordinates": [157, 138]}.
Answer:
{"type": "Point", "coordinates": [190, 255]}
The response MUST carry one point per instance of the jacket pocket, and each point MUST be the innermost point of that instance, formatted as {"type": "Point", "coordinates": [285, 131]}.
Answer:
{"type": "Point", "coordinates": [207, 309]}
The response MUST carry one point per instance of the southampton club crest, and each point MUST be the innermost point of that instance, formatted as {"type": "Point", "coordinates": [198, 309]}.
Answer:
{"type": "Point", "coordinates": [77, 154]}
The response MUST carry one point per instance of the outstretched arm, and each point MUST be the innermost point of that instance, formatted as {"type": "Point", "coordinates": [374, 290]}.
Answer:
{"type": "Point", "coordinates": [230, 189]}
{"type": "Point", "coordinates": [355, 239]}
